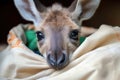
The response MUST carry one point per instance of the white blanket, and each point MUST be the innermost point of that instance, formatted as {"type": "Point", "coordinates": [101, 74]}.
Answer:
{"type": "Point", "coordinates": [98, 58]}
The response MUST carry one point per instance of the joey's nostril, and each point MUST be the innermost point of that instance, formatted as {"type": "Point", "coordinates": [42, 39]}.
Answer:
{"type": "Point", "coordinates": [61, 60]}
{"type": "Point", "coordinates": [51, 60]}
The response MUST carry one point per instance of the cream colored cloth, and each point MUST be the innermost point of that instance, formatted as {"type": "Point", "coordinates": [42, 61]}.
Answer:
{"type": "Point", "coordinates": [98, 58]}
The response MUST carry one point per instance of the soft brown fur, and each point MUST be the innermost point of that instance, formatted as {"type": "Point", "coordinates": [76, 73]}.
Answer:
{"type": "Point", "coordinates": [57, 22]}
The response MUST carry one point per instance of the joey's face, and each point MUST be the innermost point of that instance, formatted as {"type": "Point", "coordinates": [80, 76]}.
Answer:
{"type": "Point", "coordinates": [58, 37]}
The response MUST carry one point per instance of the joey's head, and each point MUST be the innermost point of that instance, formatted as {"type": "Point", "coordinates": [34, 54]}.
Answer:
{"type": "Point", "coordinates": [58, 37]}
{"type": "Point", "coordinates": [57, 28]}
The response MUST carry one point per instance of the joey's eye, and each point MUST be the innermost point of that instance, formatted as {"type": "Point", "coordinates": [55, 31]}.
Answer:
{"type": "Point", "coordinates": [74, 34]}
{"type": "Point", "coordinates": [40, 35]}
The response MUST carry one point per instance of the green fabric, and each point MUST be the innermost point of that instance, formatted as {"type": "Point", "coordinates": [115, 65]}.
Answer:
{"type": "Point", "coordinates": [32, 39]}
{"type": "Point", "coordinates": [82, 39]}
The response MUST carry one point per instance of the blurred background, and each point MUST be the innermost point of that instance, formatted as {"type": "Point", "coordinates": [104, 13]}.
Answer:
{"type": "Point", "coordinates": [107, 13]}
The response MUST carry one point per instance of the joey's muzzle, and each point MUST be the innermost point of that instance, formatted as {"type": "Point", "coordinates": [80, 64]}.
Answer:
{"type": "Point", "coordinates": [57, 60]}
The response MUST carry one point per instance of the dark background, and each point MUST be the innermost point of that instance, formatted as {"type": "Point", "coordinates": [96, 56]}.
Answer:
{"type": "Point", "coordinates": [107, 13]}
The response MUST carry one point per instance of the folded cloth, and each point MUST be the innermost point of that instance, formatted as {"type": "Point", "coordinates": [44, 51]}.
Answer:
{"type": "Point", "coordinates": [97, 58]}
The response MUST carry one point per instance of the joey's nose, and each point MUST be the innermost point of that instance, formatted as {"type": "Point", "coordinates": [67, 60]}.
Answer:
{"type": "Point", "coordinates": [57, 61]}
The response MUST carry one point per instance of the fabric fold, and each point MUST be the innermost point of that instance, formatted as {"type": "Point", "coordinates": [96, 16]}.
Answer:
{"type": "Point", "coordinates": [97, 58]}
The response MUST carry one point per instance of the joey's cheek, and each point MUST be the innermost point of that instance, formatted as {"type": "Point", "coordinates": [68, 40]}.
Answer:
{"type": "Point", "coordinates": [71, 47]}
{"type": "Point", "coordinates": [42, 47]}
{"type": "Point", "coordinates": [41, 43]}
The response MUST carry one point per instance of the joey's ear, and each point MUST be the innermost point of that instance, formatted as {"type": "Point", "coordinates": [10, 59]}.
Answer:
{"type": "Point", "coordinates": [84, 9]}
{"type": "Point", "coordinates": [28, 11]}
